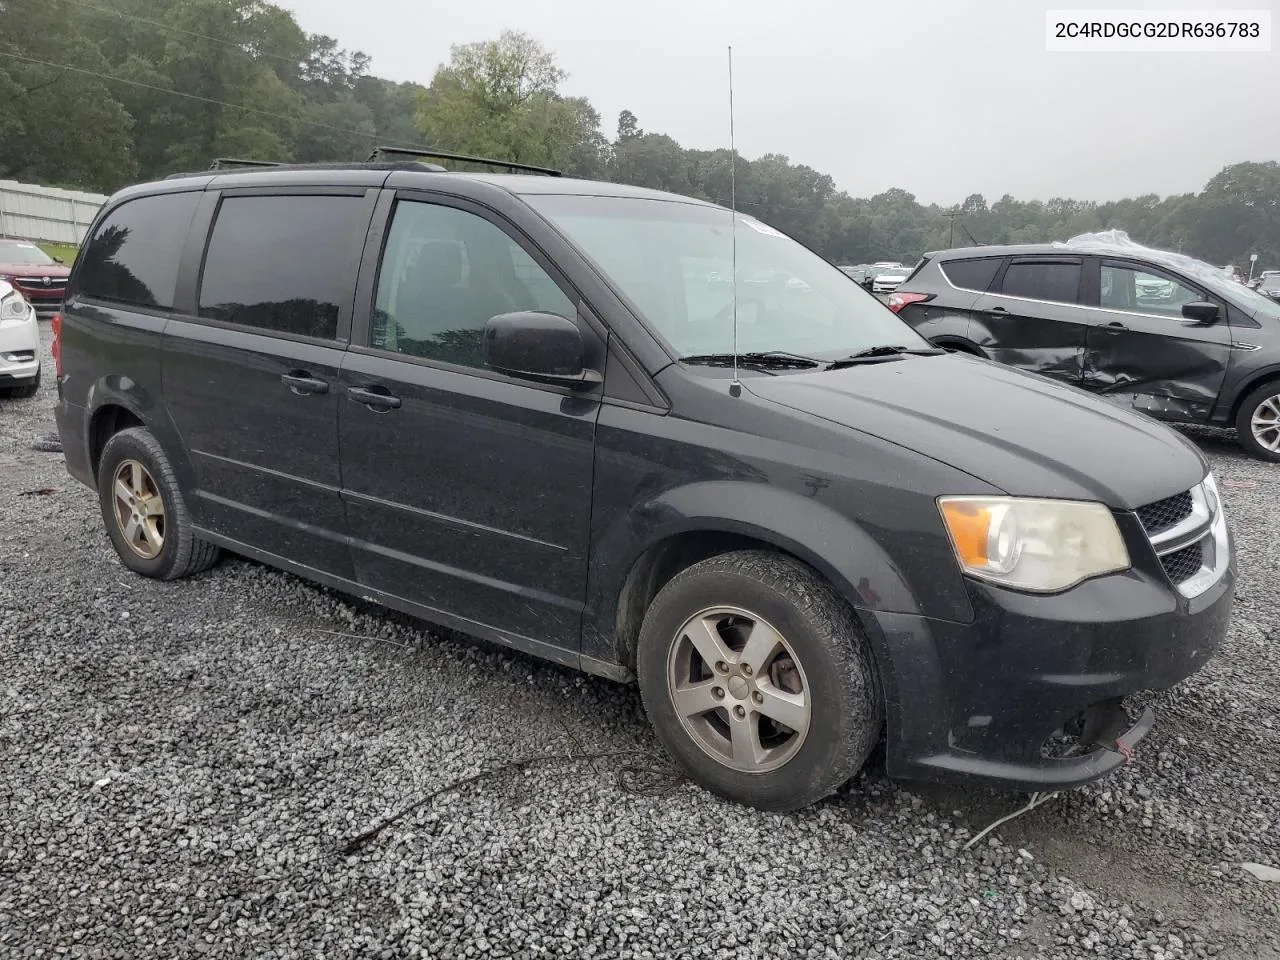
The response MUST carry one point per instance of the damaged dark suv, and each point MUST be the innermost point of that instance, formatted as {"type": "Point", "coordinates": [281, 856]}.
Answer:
{"type": "Point", "coordinates": [519, 406]}
{"type": "Point", "coordinates": [1158, 332]}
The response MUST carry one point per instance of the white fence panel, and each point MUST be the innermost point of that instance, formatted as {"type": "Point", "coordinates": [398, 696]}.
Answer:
{"type": "Point", "coordinates": [46, 213]}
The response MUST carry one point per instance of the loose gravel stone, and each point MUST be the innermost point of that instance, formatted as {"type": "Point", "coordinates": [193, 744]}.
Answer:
{"type": "Point", "coordinates": [181, 763]}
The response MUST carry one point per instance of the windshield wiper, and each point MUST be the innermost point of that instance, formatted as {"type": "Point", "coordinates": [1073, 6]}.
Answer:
{"type": "Point", "coordinates": [881, 354]}
{"type": "Point", "coordinates": [767, 358]}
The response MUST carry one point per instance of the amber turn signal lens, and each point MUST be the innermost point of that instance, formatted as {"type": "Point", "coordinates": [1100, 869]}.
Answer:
{"type": "Point", "coordinates": [970, 526]}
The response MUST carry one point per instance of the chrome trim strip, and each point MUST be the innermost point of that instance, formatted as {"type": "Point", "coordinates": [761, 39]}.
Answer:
{"type": "Point", "coordinates": [1210, 573]}
{"type": "Point", "coordinates": [1057, 303]}
{"type": "Point", "coordinates": [1186, 531]}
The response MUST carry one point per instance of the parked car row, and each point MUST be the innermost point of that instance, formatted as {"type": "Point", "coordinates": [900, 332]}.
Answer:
{"type": "Point", "coordinates": [1157, 332]}
{"type": "Point", "coordinates": [880, 277]}
{"type": "Point", "coordinates": [40, 278]}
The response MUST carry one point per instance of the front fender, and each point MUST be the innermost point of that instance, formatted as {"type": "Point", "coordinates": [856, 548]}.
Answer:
{"type": "Point", "coordinates": [838, 548]}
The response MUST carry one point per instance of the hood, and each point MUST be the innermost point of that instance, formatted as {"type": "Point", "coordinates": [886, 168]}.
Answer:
{"type": "Point", "coordinates": [59, 270]}
{"type": "Point", "coordinates": [1018, 432]}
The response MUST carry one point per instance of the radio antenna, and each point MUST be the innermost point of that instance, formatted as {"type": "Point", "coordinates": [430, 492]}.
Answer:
{"type": "Point", "coordinates": [735, 386]}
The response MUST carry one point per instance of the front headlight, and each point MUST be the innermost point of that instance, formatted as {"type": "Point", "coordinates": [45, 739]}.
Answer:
{"type": "Point", "coordinates": [1042, 546]}
{"type": "Point", "coordinates": [13, 307]}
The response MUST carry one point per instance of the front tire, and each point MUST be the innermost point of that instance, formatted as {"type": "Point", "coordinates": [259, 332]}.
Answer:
{"type": "Point", "coordinates": [758, 680]}
{"type": "Point", "coordinates": [1258, 422]}
{"type": "Point", "coordinates": [144, 512]}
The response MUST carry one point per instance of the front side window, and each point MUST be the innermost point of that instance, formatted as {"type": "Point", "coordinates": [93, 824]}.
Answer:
{"type": "Point", "coordinates": [283, 264]}
{"type": "Point", "coordinates": [444, 274]}
{"type": "Point", "coordinates": [133, 256]}
{"type": "Point", "coordinates": [1134, 290]}
{"type": "Point", "coordinates": [674, 261]}
{"type": "Point", "coordinates": [1057, 282]}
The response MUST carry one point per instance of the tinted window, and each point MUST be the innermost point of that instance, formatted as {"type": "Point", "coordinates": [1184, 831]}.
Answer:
{"type": "Point", "coordinates": [133, 256]}
{"type": "Point", "coordinates": [972, 274]}
{"type": "Point", "coordinates": [1143, 291]}
{"type": "Point", "coordinates": [444, 274]}
{"type": "Point", "coordinates": [283, 263]}
{"type": "Point", "coordinates": [1059, 282]}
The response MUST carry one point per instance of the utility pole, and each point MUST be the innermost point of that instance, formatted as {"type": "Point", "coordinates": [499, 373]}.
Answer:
{"type": "Point", "coordinates": [951, 237]}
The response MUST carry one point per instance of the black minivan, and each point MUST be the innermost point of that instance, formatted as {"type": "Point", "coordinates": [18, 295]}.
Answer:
{"type": "Point", "coordinates": [1157, 332]}
{"type": "Point", "coordinates": [520, 406]}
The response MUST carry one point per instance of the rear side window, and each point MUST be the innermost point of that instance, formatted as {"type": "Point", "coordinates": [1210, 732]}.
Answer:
{"type": "Point", "coordinates": [133, 256]}
{"type": "Point", "coordinates": [972, 274]}
{"type": "Point", "coordinates": [283, 264]}
{"type": "Point", "coordinates": [1058, 282]}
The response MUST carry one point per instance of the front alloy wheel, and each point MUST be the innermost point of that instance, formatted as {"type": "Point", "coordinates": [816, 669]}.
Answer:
{"type": "Point", "coordinates": [757, 678]}
{"type": "Point", "coordinates": [1258, 422]}
{"type": "Point", "coordinates": [738, 689]}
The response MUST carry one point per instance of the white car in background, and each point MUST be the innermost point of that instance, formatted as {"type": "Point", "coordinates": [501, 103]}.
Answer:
{"type": "Point", "coordinates": [889, 280]}
{"type": "Point", "coordinates": [19, 345]}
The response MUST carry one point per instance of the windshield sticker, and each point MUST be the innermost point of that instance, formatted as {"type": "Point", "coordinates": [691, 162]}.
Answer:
{"type": "Point", "coordinates": [759, 227]}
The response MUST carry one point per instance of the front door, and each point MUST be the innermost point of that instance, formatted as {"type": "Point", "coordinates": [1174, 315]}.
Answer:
{"type": "Point", "coordinates": [468, 492]}
{"type": "Point", "coordinates": [1031, 317]}
{"type": "Point", "coordinates": [251, 383]}
{"type": "Point", "coordinates": [1142, 351]}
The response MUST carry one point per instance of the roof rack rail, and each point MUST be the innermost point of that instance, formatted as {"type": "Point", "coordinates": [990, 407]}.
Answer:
{"type": "Point", "coordinates": [380, 152]}
{"type": "Point", "coordinates": [222, 163]}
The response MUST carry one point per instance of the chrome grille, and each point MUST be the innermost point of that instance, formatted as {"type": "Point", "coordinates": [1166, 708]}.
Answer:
{"type": "Point", "coordinates": [1163, 514]}
{"type": "Point", "coordinates": [1189, 534]}
{"type": "Point", "coordinates": [55, 283]}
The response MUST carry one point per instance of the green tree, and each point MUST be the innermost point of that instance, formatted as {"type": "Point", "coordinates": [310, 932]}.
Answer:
{"type": "Point", "coordinates": [500, 99]}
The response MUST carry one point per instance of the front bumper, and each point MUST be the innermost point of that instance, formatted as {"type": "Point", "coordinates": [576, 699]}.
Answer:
{"type": "Point", "coordinates": [981, 702]}
{"type": "Point", "coordinates": [47, 301]}
{"type": "Point", "coordinates": [19, 352]}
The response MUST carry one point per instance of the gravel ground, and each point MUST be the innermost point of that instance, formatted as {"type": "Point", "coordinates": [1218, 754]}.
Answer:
{"type": "Point", "coordinates": [181, 765]}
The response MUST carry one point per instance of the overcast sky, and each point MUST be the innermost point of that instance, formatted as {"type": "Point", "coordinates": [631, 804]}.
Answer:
{"type": "Point", "coordinates": [940, 97]}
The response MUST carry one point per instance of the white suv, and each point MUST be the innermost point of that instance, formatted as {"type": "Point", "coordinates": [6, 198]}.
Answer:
{"type": "Point", "coordinates": [19, 345]}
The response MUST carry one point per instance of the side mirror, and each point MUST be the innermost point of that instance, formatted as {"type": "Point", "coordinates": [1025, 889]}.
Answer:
{"type": "Point", "coordinates": [538, 346]}
{"type": "Point", "coordinates": [1202, 312]}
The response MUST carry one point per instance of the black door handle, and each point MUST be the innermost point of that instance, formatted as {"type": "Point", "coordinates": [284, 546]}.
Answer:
{"type": "Point", "coordinates": [378, 399]}
{"type": "Point", "coordinates": [1115, 326]}
{"type": "Point", "coordinates": [999, 311]}
{"type": "Point", "coordinates": [302, 383]}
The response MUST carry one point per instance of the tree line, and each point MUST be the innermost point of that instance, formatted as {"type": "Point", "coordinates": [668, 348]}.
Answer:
{"type": "Point", "coordinates": [100, 93]}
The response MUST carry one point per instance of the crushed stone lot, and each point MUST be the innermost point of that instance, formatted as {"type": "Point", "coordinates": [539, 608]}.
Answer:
{"type": "Point", "coordinates": [181, 765]}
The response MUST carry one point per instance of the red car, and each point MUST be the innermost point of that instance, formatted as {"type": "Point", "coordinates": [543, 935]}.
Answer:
{"type": "Point", "coordinates": [40, 278]}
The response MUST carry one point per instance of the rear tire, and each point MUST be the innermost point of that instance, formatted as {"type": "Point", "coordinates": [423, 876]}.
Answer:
{"type": "Point", "coordinates": [784, 645]}
{"type": "Point", "coordinates": [1258, 422]}
{"type": "Point", "coordinates": [144, 511]}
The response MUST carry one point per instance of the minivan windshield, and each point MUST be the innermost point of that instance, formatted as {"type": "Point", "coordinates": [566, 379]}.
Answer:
{"type": "Point", "coordinates": [674, 261]}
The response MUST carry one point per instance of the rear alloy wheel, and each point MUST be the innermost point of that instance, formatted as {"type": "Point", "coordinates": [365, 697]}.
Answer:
{"type": "Point", "coordinates": [139, 509]}
{"type": "Point", "coordinates": [143, 509]}
{"type": "Point", "coordinates": [755, 675]}
{"type": "Point", "coordinates": [1258, 423]}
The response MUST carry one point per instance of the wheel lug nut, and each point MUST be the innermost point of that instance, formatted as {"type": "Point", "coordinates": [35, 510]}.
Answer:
{"type": "Point", "coordinates": [746, 669]}
{"type": "Point", "coordinates": [718, 692]}
{"type": "Point", "coordinates": [757, 697]}
{"type": "Point", "coordinates": [739, 712]}
{"type": "Point", "coordinates": [721, 667]}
